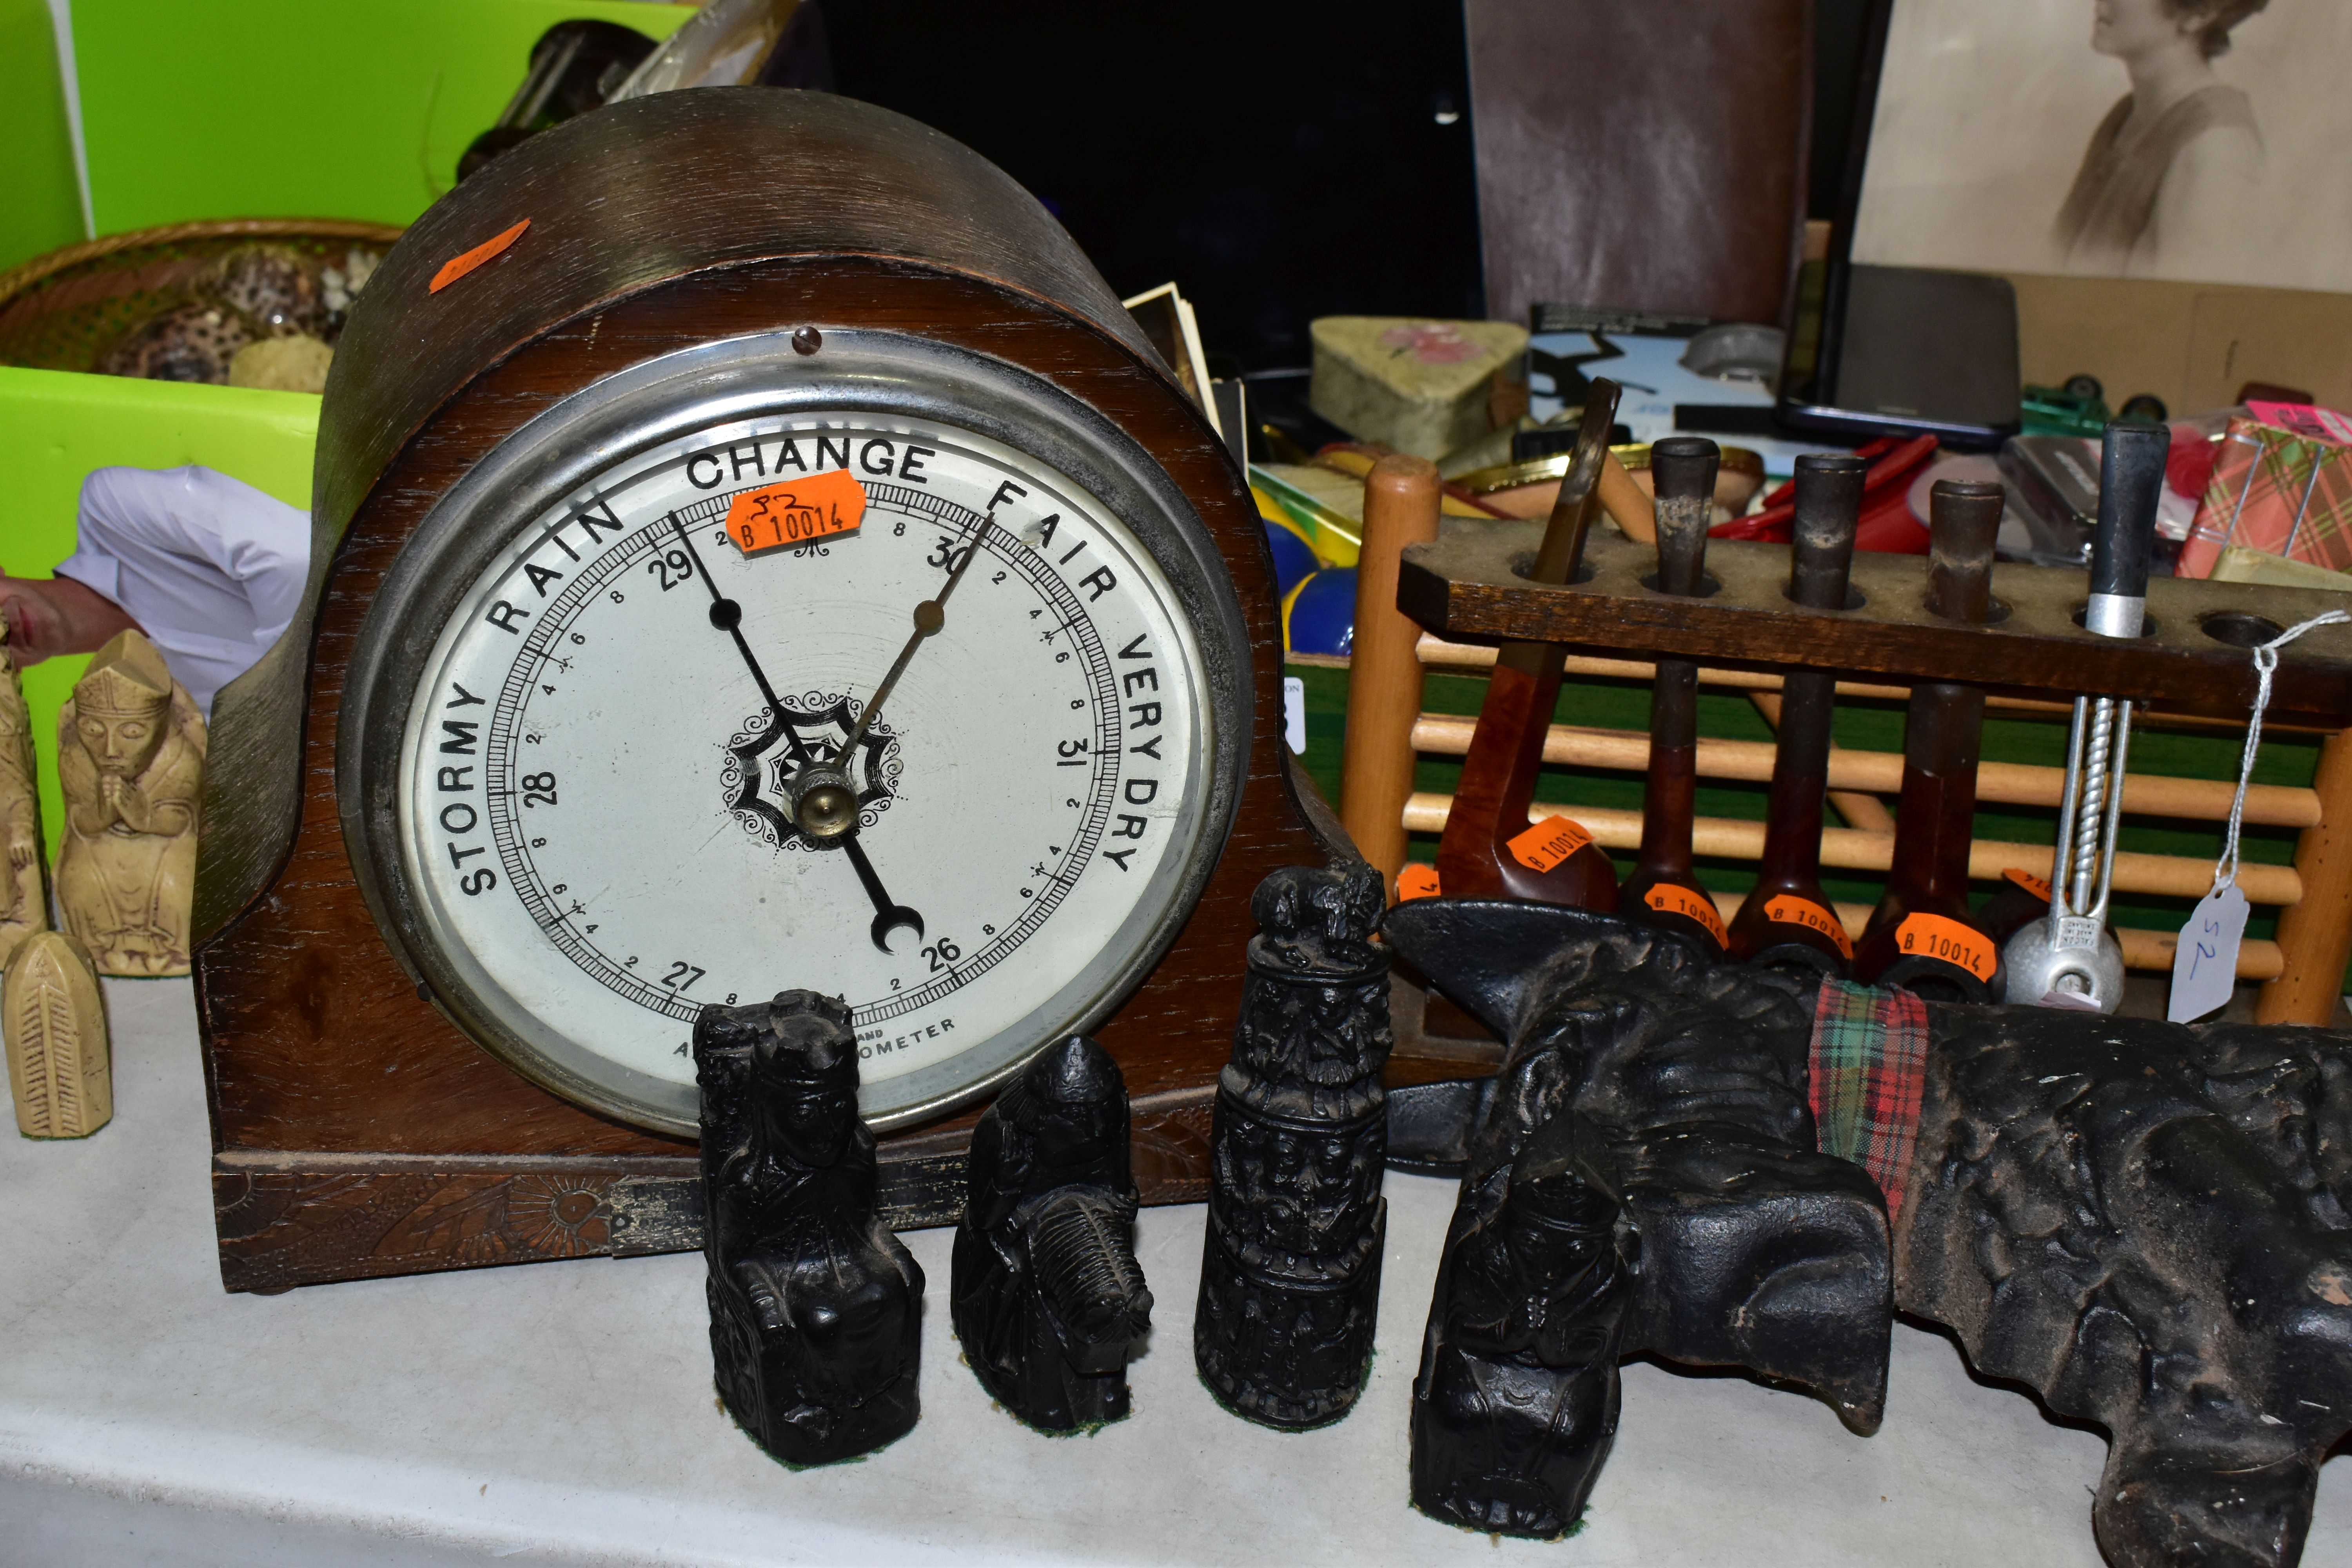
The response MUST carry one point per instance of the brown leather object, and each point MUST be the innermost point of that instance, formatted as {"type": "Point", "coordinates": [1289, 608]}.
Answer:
{"type": "Point", "coordinates": [1648, 156]}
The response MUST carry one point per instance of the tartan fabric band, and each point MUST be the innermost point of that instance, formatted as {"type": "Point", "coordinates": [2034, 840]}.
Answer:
{"type": "Point", "coordinates": [1869, 1069]}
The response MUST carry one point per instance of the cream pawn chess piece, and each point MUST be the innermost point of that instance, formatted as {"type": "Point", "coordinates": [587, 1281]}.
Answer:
{"type": "Point", "coordinates": [24, 903]}
{"type": "Point", "coordinates": [131, 756]}
{"type": "Point", "coordinates": [52, 1023]}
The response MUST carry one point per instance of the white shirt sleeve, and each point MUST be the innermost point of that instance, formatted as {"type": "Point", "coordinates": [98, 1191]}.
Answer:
{"type": "Point", "coordinates": [210, 568]}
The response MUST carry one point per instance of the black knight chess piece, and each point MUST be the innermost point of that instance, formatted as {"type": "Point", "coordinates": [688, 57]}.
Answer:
{"type": "Point", "coordinates": [815, 1308]}
{"type": "Point", "coordinates": [1048, 1300]}
{"type": "Point", "coordinates": [1291, 1274]}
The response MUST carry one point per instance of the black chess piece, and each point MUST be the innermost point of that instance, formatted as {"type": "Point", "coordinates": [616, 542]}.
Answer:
{"type": "Point", "coordinates": [1516, 1406]}
{"type": "Point", "coordinates": [1291, 1274]}
{"type": "Point", "coordinates": [1047, 1297]}
{"type": "Point", "coordinates": [815, 1308]}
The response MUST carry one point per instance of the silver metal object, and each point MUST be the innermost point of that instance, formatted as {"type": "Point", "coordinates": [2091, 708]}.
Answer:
{"type": "Point", "coordinates": [2072, 952]}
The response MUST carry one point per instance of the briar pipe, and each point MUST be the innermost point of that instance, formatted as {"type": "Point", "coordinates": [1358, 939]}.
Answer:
{"type": "Point", "coordinates": [1489, 851]}
{"type": "Point", "coordinates": [1662, 889]}
{"type": "Point", "coordinates": [1787, 920]}
{"type": "Point", "coordinates": [1922, 937]}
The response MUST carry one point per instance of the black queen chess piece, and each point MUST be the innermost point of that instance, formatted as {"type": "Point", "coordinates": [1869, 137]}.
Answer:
{"type": "Point", "coordinates": [1048, 1300]}
{"type": "Point", "coordinates": [1290, 1273]}
{"type": "Point", "coordinates": [815, 1308]}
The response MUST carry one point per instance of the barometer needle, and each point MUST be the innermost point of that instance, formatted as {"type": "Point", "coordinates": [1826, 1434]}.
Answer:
{"type": "Point", "coordinates": [820, 814]}
{"type": "Point", "coordinates": [929, 616]}
{"type": "Point", "coordinates": [888, 916]}
{"type": "Point", "coordinates": [728, 616]}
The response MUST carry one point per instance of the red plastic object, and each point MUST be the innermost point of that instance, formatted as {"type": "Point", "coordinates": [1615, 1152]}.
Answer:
{"type": "Point", "coordinates": [1886, 526]}
{"type": "Point", "coordinates": [2189, 465]}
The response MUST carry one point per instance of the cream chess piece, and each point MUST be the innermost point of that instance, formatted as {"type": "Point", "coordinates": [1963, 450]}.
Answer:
{"type": "Point", "coordinates": [24, 902]}
{"type": "Point", "coordinates": [131, 756]}
{"type": "Point", "coordinates": [52, 1023]}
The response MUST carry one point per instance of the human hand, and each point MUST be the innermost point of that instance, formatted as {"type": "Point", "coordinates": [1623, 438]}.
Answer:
{"type": "Point", "coordinates": [45, 617]}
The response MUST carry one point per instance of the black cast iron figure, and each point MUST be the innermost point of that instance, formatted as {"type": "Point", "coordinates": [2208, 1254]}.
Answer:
{"type": "Point", "coordinates": [2150, 1225]}
{"type": "Point", "coordinates": [815, 1308]}
{"type": "Point", "coordinates": [1516, 1406]}
{"type": "Point", "coordinates": [1048, 1299]}
{"type": "Point", "coordinates": [1291, 1274]}
{"type": "Point", "coordinates": [1658, 1102]}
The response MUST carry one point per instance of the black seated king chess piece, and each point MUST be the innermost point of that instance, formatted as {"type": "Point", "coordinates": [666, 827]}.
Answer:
{"type": "Point", "coordinates": [1290, 1273]}
{"type": "Point", "coordinates": [815, 1308]}
{"type": "Point", "coordinates": [1048, 1300]}
{"type": "Point", "coordinates": [1516, 1404]}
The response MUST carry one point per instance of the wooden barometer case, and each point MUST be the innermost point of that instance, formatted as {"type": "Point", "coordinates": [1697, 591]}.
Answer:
{"type": "Point", "coordinates": [752, 550]}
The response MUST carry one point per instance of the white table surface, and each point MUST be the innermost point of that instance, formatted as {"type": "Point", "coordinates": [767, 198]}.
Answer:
{"type": "Point", "coordinates": [563, 1413]}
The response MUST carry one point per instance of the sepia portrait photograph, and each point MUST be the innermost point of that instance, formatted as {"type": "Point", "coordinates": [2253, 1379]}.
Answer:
{"type": "Point", "coordinates": [2198, 141]}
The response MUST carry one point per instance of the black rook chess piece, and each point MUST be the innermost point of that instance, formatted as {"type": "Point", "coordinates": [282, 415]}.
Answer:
{"type": "Point", "coordinates": [816, 1308]}
{"type": "Point", "coordinates": [1290, 1275]}
{"type": "Point", "coordinates": [1048, 1300]}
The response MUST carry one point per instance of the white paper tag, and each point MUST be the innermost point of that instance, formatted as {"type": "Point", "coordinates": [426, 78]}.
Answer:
{"type": "Point", "coordinates": [2205, 960]}
{"type": "Point", "coordinates": [2077, 933]}
{"type": "Point", "coordinates": [1294, 712]}
{"type": "Point", "coordinates": [2073, 999]}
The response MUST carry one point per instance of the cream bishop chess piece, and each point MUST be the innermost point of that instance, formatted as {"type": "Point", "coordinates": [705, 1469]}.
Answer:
{"type": "Point", "coordinates": [53, 1022]}
{"type": "Point", "coordinates": [131, 756]}
{"type": "Point", "coordinates": [23, 905]}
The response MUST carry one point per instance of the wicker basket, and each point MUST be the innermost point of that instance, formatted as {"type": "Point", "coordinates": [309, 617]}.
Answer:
{"type": "Point", "coordinates": [66, 309]}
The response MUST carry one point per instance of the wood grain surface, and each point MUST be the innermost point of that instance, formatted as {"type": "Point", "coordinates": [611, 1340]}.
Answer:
{"type": "Point", "coordinates": [357, 1129]}
{"type": "Point", "coordinates": [1466, 585]}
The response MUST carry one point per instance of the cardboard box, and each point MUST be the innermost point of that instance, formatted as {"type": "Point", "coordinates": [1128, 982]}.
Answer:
{"type": "Point", "coordinates": [1417, 385]}
{"type": "Point", "coordinates": [2286, 492]}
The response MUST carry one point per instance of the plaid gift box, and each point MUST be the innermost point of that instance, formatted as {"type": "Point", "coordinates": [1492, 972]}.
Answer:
{"type": "Point", "coordinates": [2285, 491]}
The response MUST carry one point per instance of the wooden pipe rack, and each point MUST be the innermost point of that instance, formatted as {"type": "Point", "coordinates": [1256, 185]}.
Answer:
{"type": "Point", "coordinates": [2193, 668]}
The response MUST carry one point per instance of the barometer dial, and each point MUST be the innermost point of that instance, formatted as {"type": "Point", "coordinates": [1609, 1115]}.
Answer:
{"type": "Point", "coordinates": [643, 767]}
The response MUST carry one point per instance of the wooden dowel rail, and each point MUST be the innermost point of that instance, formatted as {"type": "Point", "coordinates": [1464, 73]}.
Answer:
{"type": "Point", "coordinates": [1851, 850]}
{"type": "Point", "coordinates": [1881, 772]}
{"type": "Point", "coordinates": [1438, 653]}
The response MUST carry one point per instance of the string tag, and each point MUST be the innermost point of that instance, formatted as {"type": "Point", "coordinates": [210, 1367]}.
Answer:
{"type": "Point", "coordinates": [2205, 955]}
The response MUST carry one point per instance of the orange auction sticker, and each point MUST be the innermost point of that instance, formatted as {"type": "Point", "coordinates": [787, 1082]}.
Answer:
{"type": "Point", "coordinates": [1939, 936]}
{"type": "Point", "coordinates": [1789, 910]}
{"type": "Point", "coordinates": [456, 266]}
{"type": "Point", "coordinates": [1666, 898]}
{"type": "Point", "coordinates": [796, 511]}
{"type": "Point", "coordinates": [1416, 881]}
{"type": "Point", "coordinates": [2028, 881]}
{"type": "Point", "coordinates": [1549, 843]}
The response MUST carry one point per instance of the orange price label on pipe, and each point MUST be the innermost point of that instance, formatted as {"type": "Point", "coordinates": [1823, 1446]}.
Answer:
{"type": "Point", "coordinates": [1788, 910]}
{"type": "Point", "coordinates": [796, 511]}
{"type": "Point", "coordinates": [1939, 936]}
{"type": "Point", "coordinates": [1416, 881]}
{"type": "Point", "coordinates": [2028, 881]}
{"type": "Point", "coordinates": [1549, 843]}
{"type": "Point", "coordinates": [456, 266]}
{"type": "Point", "coordinates": [1670, 900]}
